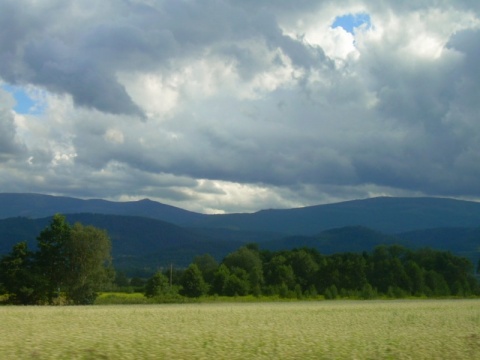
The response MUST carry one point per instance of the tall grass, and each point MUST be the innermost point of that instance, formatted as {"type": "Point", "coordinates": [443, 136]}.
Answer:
{"type": "Point", "coordinates": [427, 329]}
{"type": "Point", "coordinates": [119, 298]}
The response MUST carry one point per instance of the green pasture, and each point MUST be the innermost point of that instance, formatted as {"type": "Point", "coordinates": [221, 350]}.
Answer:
{"type": "Point", "coordinates": [395, 329]}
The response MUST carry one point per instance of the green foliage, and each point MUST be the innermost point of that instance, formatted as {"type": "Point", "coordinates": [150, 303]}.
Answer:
{"type": "Point", "coordinates": [51, 258]}
{"type": "Point", "coordinates": [74, 261]}
{"type": "Point", "coordinates": [122, 298]}
{"type": "Point", "coordinates": [331, 292]}
{"type": "Point", "coordinates": [390, 271]}
{"type": "Point", "coordinates": [157, 285]}
{"type": "Point", "coordinates": [89, 268]}
{"type": "Point", "coordinates": [220, 279]}
{"type": "Point", "coordinates": [304, 267]}
{"type": "Point", "coordinates": [279, 272]}
{"type": "Point", "coordinates": [249, 260]}
{"type": "Point", "coordinates": [18, 276]}
{"type": "Point", "coordinates": [368, 292]}
{"type": "Point", "coordinates": [237, 283]}
{"type": "Point", "coordinates": [207, 265]}
{"type": "Point", "coordinates": [192, 282]}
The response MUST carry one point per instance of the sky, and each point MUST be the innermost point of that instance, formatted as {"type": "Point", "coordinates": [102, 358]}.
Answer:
{"type": "Point", "coordinates": [222, 106]}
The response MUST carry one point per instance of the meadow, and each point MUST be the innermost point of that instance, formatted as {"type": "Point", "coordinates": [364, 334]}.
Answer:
{"type": "Point", "coordinates": [378, 329]}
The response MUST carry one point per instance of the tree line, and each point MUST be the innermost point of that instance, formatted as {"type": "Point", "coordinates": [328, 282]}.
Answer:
{"type": "Point", "coordinates": [392, 271]}
{"type": "Point", "coordinates": [70, 264]}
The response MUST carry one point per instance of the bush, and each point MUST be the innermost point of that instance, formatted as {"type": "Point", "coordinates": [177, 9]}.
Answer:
{"type": "Point", "coordinates": [157, 285]}
{"type": "Point", "coordinates": [192, 282]}
{"type": "Point", "coordinates": [331, 292]}
{"type": "Point", "coordinates": [368, 292]}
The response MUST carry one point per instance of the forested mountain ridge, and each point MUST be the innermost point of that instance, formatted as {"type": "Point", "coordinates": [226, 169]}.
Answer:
{"type": "Point", "coordinates": [138, 243]}
{"type": "Point", "coordinates": [141, 245]}
{"type": "Point", "coordinates": [146, 234]}
{"type": "Point", "coordinates": [39, 206]}
{"type": "Point", "coordinates": [389, 215]}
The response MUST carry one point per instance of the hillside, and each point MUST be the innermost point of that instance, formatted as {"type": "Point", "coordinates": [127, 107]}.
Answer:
{"type": "Point", "coordinates": [345, 239]}
{"type": "Point", "coordinates": [141, 245]}
{"type": "Point", "coordinates": [385, 214]}
{"type": "Point", "coordinates": [147, 235]}
{"type": "Point", "coordinates": [38, 206]}
{"type": "Point", "coordinates": [138, 244]}
{"type": "Point", "coordinates": [463, 242]}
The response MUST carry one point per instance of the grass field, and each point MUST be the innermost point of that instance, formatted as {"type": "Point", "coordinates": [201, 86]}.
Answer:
{"type": "Point", "coordinates": [409, 329]}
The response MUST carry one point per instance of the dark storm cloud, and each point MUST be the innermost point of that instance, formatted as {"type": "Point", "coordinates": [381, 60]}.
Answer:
{"type": "Point", "coordinates": [468, 83]}
{"type": "Point", "coordinates": [44, 44]}
{"type": "Point", "coordinates": [244, 99]}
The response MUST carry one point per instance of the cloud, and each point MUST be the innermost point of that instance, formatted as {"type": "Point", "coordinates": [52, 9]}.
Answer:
{"type": "Point", "coordinates": [10, 146]}
{"type": "Point", "coordinates": [243, 105]}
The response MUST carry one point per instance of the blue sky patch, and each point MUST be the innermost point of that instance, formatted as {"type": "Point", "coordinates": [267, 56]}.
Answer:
{"type": "Point", "coordinates": [24, 103]}
{"type": "Point", "coordinates": [351, 21]}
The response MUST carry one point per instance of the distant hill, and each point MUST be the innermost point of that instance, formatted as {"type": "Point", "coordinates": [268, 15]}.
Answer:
{"type": "Point", "coordinates": [147, 235]}
{"type": "Point", "coordinates": [463, 242]}
{"type": "Point", "coordinates": [38, 206]}
{"type": "Point", "coordinates": [142, 245]}
{"type": "Point", "coordinates": [385, 214]}
{"type": "Point", "coordinates": [345, 239]}
{"type": "Point", "coordinates": [14, 230]}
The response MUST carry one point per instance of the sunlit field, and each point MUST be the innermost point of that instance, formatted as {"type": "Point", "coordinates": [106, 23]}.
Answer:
{"type": "Point", "coordinates": [408, 329]}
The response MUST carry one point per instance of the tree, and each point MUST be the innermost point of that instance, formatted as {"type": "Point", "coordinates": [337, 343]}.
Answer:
{"type": "Point", "coordinates": [417, 278]}
{"type": "Point", "coordinates": [436, 284]}
{"type": "Point", "coordinates": [279, 274]}
{"type": "Point", "coordinates": [220, 279]}
{"type": "Point", "coordinates": [192, 282]}
{"type": "Point", "coordinates": [304, 267]}
{"type": "Point", "coordinates": [157, 285]}
{"type": "Point", "coordinates": [331, 292]}
{"type": "Point", "coordinates": [74, 261]}
{"type": "Point", "coordinates": [18, 277]}
{"type": "Point", "coordinates": [207, 265]}
{"type": "Point", "coordinates": [50, 257]}
{"type": "Point", "coordinates": [249, 260]}
{"type": "Point", "coordinates": [89, 264]}
{"type": "Point", "coordinates": [237, 283]}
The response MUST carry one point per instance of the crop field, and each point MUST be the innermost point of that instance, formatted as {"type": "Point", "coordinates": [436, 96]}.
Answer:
{"type": "Point", "coordinates": [408, 329]}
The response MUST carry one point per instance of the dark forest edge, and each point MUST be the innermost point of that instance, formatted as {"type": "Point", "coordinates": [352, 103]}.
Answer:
{"type": "Point", "coordinates": [387, 272]}
{"type": "Point", "coordinates": [82, 269]}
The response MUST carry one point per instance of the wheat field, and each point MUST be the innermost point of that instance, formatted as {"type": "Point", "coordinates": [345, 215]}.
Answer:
{"type": "Point", "coordinates": [408, 329]}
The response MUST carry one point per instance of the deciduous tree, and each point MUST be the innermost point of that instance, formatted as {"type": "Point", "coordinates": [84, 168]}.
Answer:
{"type": "Point", "coordinates": [51, 260]}
{"type": "Point", "coordinates": [18, 277]}
{"type": "Point", "coordinates": [74, 261]}
{"type": "Point", "coordinates": [192, 282]}
{"type": "Point", "coordinates": [249, 260]}
{"type": "Point", "coordinates": [89, 264]}
{"type": "Point", "coordinates": [157, 285]}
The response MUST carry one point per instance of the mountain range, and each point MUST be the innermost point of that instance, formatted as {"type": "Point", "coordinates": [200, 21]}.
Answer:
{"type": "Point", "coordinates": [147, 235]}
